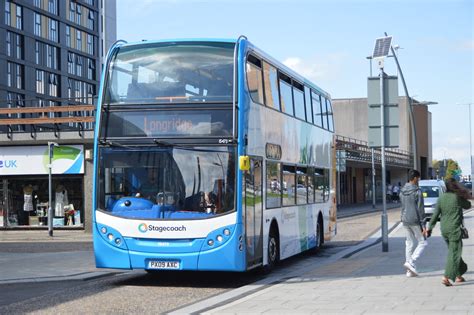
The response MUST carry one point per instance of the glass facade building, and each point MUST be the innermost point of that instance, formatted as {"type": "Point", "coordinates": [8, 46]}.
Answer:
{"type": "Point", "coordinates": [51, 54]}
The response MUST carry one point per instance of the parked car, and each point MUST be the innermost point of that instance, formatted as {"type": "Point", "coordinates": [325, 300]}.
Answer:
{"type": "Point", "coordinates": [468, 185]}
{"type": "Point", "coordinates": [431, 189]}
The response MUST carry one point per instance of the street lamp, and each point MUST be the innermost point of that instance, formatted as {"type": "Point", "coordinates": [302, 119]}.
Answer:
{"type": "Point", "coordinates": [51, 146]}
{"type": "Point", "coordinates": [410, 110]}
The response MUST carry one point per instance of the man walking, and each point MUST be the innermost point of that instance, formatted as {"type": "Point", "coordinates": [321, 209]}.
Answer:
{"type": "Point", "coordinates": [412, 216]}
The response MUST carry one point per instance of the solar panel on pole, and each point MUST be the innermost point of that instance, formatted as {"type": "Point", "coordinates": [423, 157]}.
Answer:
{"type": "Point", "coordinates": [382, 47]}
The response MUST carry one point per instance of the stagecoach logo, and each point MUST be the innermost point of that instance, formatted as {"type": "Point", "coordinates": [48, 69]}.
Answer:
{"type": "Point", "coordinates": [148, 227]}
{"type": "Point", "coordinates": [143, 227]}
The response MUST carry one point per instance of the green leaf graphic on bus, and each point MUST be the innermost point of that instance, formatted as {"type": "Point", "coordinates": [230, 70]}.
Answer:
{"type": "Point", "coordinates": [66, 160]}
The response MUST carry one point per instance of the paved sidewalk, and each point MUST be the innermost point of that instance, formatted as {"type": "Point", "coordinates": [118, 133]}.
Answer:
{"type": "Point", "coordinates": [368, 282]}
{"type": "Point", "coordinates": [34, 256]}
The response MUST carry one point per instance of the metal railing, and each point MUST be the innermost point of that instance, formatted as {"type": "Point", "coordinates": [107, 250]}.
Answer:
{"type": "Point", "coordinates": [47, 115]}
{"type": "Point", "coordinates": [358, 150]}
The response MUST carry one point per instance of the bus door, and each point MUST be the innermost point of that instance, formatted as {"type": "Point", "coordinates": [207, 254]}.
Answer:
{"type": "Point", "coordinates": [252, 195]}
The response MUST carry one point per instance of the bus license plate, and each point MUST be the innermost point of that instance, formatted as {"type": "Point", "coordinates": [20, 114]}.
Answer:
{"type": "Point", "coordinates": [163, 264]}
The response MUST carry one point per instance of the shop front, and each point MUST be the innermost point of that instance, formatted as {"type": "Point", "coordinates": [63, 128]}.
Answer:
{"type": "Point", "coordinates": [24, 186]}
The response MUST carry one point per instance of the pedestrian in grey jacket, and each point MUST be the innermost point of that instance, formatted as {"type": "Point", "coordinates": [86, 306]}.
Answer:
{"type": "Point", "coordinates": [412, 217]}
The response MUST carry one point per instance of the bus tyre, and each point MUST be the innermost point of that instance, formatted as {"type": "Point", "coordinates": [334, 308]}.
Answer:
{"type": "Point", "coordinates": [273, 250]}
{"type": "Point", "coordinates": [319, 235]}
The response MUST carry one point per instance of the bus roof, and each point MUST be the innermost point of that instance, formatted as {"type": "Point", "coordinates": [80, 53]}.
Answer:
{"type": "Point", "coordinates": [251, 46]}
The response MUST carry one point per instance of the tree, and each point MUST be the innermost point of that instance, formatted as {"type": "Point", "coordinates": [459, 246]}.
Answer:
{"type": "Point", "coordinates": [447, 168]}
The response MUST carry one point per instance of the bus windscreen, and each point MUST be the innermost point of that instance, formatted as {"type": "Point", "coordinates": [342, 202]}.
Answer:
{"type": "Point", "coordinates": [167, 183]}
{"type": "Point", "coordinates": [185, 72]}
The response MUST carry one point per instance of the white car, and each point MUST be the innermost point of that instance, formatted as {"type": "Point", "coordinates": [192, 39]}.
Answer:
{"type": "Point", "coordinates": [431, 190]}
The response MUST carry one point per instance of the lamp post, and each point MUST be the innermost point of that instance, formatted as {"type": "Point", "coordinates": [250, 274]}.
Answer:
{"type": "Point", "coordinates": [410, 109]}
{"type": "Point", "coordinates": [51, 146]}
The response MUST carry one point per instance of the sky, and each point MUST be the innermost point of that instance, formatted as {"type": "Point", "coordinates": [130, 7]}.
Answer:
{"type": "Point", "coordinates": [328, 42]}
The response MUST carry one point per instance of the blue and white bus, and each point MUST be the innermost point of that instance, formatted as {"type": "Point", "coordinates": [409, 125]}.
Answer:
{"type": "Point", "coordinates": [209, 155]}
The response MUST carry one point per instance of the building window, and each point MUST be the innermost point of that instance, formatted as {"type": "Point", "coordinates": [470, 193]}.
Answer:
{"type": "Point", "coordinates": [19, 77]}
{"type": "Point", "coordinates": [8, 16]}
{"type": "Point", "coordinates": [49, 56]}
{"type": "Point", "coordinates": [70, 63]}
{"type": "Point", "coordinates": [37, 52]}
{"type": "Point", "coordinates": [53, 6]}
{"type": "Point", "coordinates": [9, 74]}
{"type": "Point", "coordinates": [40, 81]}
{"type": "Point", "coordinates": [72, 11]}
{"type": "Point", "coordinates": [91, 69]}
{"type": "Point", "coordinates": [53, 84]}
{"type": "Point", "coordinates": [78, 14]}
{"type": "Point", "coordinates": [90, 44]}
{"type": "Point", "coordinates": [19, 18]}
{"type": "Point", "coordinates": [9, 44]}
{"type": "Point", "coordinates": [78, 65]}
{"type": "Point", "coordinates": [53, 27]}
{"type": "Point", "coordinates": [89, 2]}
{"type": "Point", "coordinates": [19, 46]}
{"type": "Point", "coordinates": [37, 24]}
{"type": "Point", "coordinates": [78, 40]}
{"type": "Point", "coordinates": [37, 3]}
{"type": "Point", "coordinates": [68, 36]}
{"type": "Point", "coordinates": [90, 20]}
{"type": "Point", "coordinates": [69, 88]}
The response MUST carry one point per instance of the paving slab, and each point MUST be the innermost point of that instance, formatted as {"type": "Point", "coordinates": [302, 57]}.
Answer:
{"type": "Point", "coordinates": [367, 282]}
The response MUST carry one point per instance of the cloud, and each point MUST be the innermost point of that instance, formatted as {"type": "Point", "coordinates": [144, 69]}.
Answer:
{"type": "Point", "coordinates": [317, 68]}
{"type": "Point", "coordinates": [467, 45]}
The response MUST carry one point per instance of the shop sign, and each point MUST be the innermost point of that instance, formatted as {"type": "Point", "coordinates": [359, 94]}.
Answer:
{"type": "Point", "coordinates": [34, 160]}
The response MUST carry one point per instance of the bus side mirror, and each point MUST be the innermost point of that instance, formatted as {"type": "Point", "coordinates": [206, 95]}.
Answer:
{"type": "Point", "coordinates": [244, 163]}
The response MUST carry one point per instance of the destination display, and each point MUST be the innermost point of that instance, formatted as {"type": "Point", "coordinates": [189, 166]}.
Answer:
{"type": "Point", "coordinates": [182, 123]}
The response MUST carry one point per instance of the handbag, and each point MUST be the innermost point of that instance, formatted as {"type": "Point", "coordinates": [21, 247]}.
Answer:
{"type": "Point", "coordinates": [464, 232]}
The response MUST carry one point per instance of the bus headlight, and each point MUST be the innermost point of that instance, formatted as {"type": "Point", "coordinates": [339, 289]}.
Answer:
{"type": "Point", "coordinates": [219, 238]}
{"type": "Point", "coordinates": [210, 242]}
{"type": "Point", "coordinates": [226, 232]}
{"type": "Point", "coordinates": [110, 237]}
{"type": "Point", "coordinates": [118, 241]}
{"type": "Point", "coordinates": [103, 230]}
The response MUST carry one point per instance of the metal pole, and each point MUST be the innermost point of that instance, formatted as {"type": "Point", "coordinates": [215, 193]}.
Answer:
{"type": "Point", "coordinates": [50, 208]}
{"type": "Point", "coordinates": [410, 111]}
{"type": "Point", "coordinates": [373, 179]}
{"type": "Point", "coordinates": [470, 150]}
{"type": "Point", "coordinates": [338, 172]}
{"type": "Point", "coordinates": [382, 149]}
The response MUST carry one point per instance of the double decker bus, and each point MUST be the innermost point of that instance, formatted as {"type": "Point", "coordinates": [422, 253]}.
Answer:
{"type": "Point", "coordinates": [209, 155]}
